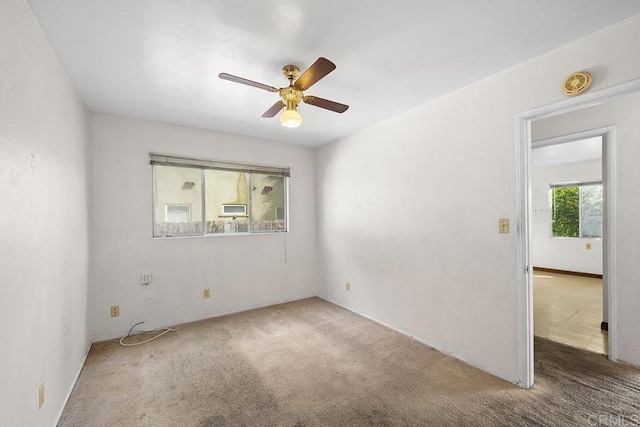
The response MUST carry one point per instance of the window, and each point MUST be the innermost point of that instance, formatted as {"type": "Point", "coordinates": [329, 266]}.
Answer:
{"type": "Point", "coordinates": [177, 213]}
{"type": "Point", "coordinates": [234, 210]}
{"type": "Point", "coordinates": [196, 197]}
{"type": "Point", "coordinates": [576, 210]}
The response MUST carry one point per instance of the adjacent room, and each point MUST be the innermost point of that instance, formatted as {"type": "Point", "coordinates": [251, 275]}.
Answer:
{"type": "Point", "coordinates": [568, 202]}
{"type": "Point", "coordinates": [318, 213]}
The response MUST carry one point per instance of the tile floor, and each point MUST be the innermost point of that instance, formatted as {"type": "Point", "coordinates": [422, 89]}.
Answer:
{"type": "Point", "coordinates": [568, 309]}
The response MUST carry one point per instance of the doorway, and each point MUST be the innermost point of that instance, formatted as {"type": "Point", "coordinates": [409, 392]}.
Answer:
{"type": "Point", "coordinates": [524, 123]}
{"type": "Point", "coordinates": [567, 241]}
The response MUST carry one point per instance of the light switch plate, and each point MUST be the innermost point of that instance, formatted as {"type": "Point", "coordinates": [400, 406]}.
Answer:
{"type": "Point", "coordinates": [503, 225]}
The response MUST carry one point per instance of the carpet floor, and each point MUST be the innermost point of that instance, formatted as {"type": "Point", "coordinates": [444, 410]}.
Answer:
{"type": "Point", "coordinates": [312, 363]}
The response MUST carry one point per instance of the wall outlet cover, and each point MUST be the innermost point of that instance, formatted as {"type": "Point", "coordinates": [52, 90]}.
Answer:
{"type": "Point", "coordinates": [145, 279]}
{"type": "Point", "coordinates": [41, 396]}
{"type": "Point", "coordinates": [115, 310]}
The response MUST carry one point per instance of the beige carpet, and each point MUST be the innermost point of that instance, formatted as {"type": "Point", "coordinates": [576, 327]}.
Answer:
{"type": "Point", "coordinates": [311, 363]}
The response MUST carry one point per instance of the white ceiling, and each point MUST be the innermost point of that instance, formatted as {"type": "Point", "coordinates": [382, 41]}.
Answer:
{"type": "Point", "coordinates": [568, 152]}
{"type": "Point", "coordinates": [159, 60]}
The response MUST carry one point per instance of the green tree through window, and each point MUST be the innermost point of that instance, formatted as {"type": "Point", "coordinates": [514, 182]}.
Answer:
{"type": "Point", "coordinates": [576, 210]}
{"type": "Point", "coordinates": [565, 203]}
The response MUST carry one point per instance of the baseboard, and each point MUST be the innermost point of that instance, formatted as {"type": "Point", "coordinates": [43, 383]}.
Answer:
{"type": "Point", "coordinates": [572, 273]}
{"type": "Point", "coordinates": [75, 381]}
{"type": "Point", "coordinates": [475, 365]}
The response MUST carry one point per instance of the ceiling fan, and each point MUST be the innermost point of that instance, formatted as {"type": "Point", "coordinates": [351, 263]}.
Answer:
{"type": "Point", "coordinates": [293, 94]}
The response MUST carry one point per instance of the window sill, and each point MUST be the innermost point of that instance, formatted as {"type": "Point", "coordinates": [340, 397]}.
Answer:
{"type": "Point", "coordinates": [576, 238]}
{"type": "Point", "coordinates": [185, 236]}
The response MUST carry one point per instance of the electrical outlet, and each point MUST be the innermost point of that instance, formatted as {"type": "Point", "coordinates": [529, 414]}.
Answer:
{"type": "Point", "coordinates": [145, 279]}
{"type": "Point", "coordinates": [115, 310]}
{"type": "Point", "coordinates": [589, 246]}
{"type": "Point", "coordinates": [348, 286]}
{"type": "Point", "coordinates": [206, 293]}
{"type": "Point", "coordinates": [41, 396]}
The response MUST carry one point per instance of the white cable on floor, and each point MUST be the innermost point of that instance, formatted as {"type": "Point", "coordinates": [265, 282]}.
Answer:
{"type": "Point", "coordinates": [122, 343]}
{"type": "Point", "coordinates": [145, 341]}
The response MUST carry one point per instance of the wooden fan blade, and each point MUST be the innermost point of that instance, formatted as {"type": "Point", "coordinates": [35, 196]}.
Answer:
{"type": "Point", "coordinates": [235, 79]}
{"type": "Point", "coordinates": [275, 109]}
{"type": "Point", "coordinates": [326, 104]}
{"type": "Point", "coordinates": [318, 70]}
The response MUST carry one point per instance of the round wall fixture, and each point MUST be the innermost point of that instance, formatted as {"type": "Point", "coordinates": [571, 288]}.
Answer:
{"type": "Point", "coordinates": [576, 83]}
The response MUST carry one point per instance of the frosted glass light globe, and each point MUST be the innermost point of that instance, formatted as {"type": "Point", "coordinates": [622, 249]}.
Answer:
{"type": "Point", "coordinates": [291, 119]}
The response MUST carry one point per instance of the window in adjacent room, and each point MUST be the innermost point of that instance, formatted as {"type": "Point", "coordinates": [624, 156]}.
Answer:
{"type": "Point", "coordinates": [195, 197]}
{"type": "Point", "coordinates": [576, 210]}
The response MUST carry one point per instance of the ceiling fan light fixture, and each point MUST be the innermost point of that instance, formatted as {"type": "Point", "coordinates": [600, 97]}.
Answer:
{"type": "Point", "coordinates": [291, 96]}
{"type": "Point", "coordinates": [291, 118]}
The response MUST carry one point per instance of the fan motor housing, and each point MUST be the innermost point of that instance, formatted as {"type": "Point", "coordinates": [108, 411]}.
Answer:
{"type": "Point", "coordinates": [290, 94]}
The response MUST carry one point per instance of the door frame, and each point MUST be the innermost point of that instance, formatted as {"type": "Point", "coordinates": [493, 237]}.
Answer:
{"type": "Point", "coordinates": [523, 195]}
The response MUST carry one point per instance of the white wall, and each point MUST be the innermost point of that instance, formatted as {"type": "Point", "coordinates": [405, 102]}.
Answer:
{"type": "Point", "coordinates": [43, 224]}
{"type": "Point", "coordinates": [561, 253]}
{"type": "Point", "coordinates": [243, 272]}
{"type": "Point", "coordinates": [439, 270]}
{"type": "Point", "coordinates": [624, 114]}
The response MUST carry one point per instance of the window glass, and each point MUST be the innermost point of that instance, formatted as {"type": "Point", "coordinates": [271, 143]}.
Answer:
{"type": "Point", "coordinates": [268, 196]}
{"type": "Point", "coordinates": [576, 210]}
{"type": "Point", "coordinates": [178, 201]}
{"type": "Point", "coordinates": [565, 207]}
{"type": "Point", "coordinates": [201, 199]}
{"type": "Point", "coordinates": [226, 197]}
{"type": "Point", "coordinates": [592, 210]}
